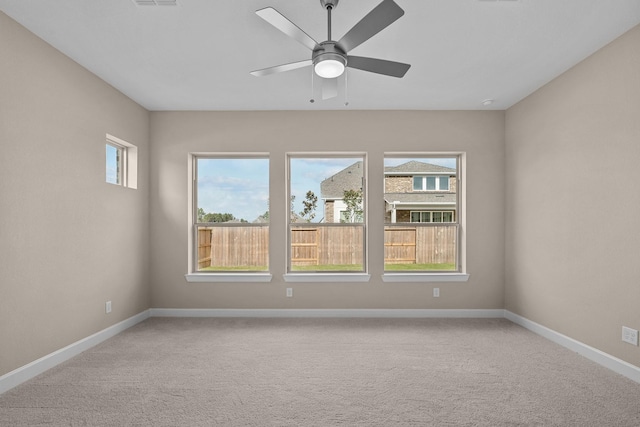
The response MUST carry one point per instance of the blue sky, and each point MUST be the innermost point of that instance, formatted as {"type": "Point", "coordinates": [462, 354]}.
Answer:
{"type": "Point", "coordinates": [112, 164]}
{"type": "Point", "coordinates": [241, 186]}
{"type": "Point", "coordinates": [236, 186]}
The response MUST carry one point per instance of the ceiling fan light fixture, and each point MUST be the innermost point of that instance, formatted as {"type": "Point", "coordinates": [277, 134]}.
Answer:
{"type": "Point", "coordinates": [329, 65]}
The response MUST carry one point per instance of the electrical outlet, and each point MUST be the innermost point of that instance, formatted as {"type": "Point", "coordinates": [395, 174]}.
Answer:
{"type": "Point", "coordinates": [289, 292]}
{"type": "Point", "coordinates": [107, 307]}
{"type": "Point", "coordinates": [630, 335]}
{"type": "Point", "coordinates": [436, 292]}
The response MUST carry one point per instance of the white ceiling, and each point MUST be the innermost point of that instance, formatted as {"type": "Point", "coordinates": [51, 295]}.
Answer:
{"type": "Point", "coordinates": [198, 55]}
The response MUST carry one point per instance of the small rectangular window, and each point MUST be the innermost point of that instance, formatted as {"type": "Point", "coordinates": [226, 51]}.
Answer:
{"type": "Point", "coordinates": [431, 183]}
{"type": "Point", "coordinates": [114, 163]}
{"type": "Point", "coordinates": [121, 162]}
{"type": "Point", "coordinates": [443, 183]}
{"type": "Point", "coordinates": [417, 183]}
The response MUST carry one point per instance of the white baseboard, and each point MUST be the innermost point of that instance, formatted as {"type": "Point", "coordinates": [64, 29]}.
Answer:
{"type": "Point", "coordinates": [608, 361]}
{"type": "Point", "coordinates": [337, 313]}
{"type": "Point", "coordinates": [26, 372]}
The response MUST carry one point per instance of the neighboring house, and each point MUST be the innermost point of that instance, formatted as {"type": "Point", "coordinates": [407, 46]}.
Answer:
{"type": "Point", "coordinates": [413, 192]}
{"type": "Point", "coordinates": [332, 192]}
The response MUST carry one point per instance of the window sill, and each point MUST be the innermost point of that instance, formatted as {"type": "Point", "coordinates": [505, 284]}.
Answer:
{"type": "Point", "coordinates": [227, 277]}
{"type": "Point", "coordinates": [327, 277]}
{"type": "Point", "coordinates": [424, 277]}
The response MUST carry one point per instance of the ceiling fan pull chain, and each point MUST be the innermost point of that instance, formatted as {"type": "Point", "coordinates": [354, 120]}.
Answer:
{"type": "Point", "coordinates": [346, 88]}
{"type": "Point", "coordinates": [312, 100]}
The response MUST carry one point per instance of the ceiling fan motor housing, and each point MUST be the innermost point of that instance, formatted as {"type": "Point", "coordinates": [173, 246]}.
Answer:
{"type": "Point", "coordinates": [329, 50]}
{"type": "Point", "coordinates": [329, 3]}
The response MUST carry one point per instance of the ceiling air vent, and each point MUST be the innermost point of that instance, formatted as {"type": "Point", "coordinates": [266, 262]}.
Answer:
{"type": "Point", "coordinates": [156, 2]}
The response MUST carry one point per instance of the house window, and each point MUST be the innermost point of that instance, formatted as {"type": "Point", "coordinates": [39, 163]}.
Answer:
{"type": "Point", "coordinates": [422, 212]}
{"type": "Point", "coordinates": [231, 213]}
{"type": "Point", "coordinates": [326, 230]}
{"type": "Point", "coordinates": [121, 162]}
{"type": "Point", "coordinates": [115, 158]}
{"type": "Point", "coordinates": [432, 216]}
{"type": "Point", "coordinates": [431, 183]}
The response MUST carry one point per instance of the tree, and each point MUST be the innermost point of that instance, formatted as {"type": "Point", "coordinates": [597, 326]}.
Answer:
{"type": "Point", "coordinates": [309, 206]}
{"type": "Point", "coordinates": [201, 215]}
{"type": "Point", "coordinates": [216, 217]}
{"type": "Point", "coordinates": [292, 212]}
{"type": "Point", "coordinates": [353, 200]}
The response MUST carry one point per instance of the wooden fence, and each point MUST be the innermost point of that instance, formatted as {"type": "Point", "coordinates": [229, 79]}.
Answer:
{"type": "Point", "coordinates": [420, 245]}
{"type": "Point", "coordinates": [240, 246]}
{"type": "Point", "coordinates": [327, 245]}
{"type": "Point", "coordinates": [233, 247]}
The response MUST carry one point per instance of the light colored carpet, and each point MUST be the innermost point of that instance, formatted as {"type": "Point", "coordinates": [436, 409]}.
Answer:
{"type": "Point", "coordinates": [325, 372]}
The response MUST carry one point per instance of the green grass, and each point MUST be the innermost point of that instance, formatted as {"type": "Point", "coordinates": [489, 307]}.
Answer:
{"type": "Point", "coordinates": [420, 267]}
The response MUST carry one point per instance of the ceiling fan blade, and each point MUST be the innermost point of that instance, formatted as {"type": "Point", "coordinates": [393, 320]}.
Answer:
{"type": "Point", "coordinates": [281, 68]}
{"type": "Point", "coordinates": [278, 20]}
{"type": "Point", "coordinates": [329, 88]}
{"type": "Point", "coordinates": [375, 21]}
{"type": "Point", "coordinates": [379, 66]}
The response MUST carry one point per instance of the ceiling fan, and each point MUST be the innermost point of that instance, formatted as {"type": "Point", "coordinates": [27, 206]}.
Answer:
{"type": "Point", "coordinates": [329, 58]}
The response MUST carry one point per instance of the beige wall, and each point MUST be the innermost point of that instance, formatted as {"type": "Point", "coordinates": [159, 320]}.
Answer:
{"type": "Point", "coordinates": [479, 134]}
{"type": "Point", "coordinates": [68, 241]}
{"type": "Point", "coordinates": [572, 201]}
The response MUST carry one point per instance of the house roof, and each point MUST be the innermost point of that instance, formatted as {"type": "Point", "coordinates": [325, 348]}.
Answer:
{"type": "Point", "coordinates": [415, 167]}
{"type": "Point", "coordinates": [421, 198]}
{"type": "Point", "coordinates": [349, 178]}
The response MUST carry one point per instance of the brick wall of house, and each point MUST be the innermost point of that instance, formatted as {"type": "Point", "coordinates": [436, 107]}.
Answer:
{"type": "Point", "coordinates": [398, 184]}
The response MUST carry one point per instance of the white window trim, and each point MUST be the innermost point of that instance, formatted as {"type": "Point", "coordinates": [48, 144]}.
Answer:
{"type": "Point", "coordinates": [424, 277]}
{"type": "Point", "coordinates": [192, 275]}
{"type": "Point", "coordinates": [329, 276]}
{"type": "Point", "coordinates": [326, 277]}
{"type": "Point", "coordinates": [214, 277]}
{"type": "Point", "coordinates": [129, 162]}
{"type": "Point", "coordinates": [459, 276]}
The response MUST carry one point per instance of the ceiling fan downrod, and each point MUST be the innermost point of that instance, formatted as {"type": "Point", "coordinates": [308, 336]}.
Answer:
{"type": "Point", "coordinates": [329, 5]}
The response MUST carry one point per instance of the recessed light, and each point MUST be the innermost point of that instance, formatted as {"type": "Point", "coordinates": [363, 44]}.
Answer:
{"type": "Point", "coordinates": [487, 102]}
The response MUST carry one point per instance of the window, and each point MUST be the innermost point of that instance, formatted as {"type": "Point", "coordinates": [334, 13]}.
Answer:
{"type": "Point", "coordinates": [431, 183]}
{"type": "Point", "coordinates": [114, 163]}
{"type": "Point", "coordinates": [422, 212]}
{"type": "Point", "coordinates": [432, 216]}
{"type": "Point", "coordinates": [121, 162]}
{"type": "Point", "coordinates": [326, 230]}
{"type": "Point", "coordinates": [230, 214]}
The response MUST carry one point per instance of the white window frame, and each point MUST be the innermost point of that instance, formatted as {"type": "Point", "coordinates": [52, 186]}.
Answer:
{"type": "Point", "coordinates": [329, 276]}
{"type": "Point", "coordinates": [128, 164]}
{"type": "Point", "coordinates": [461, 275]}
{"type": "Point", "coordinates": [193, 275]}
{"type": "Point", "coordinates": [431, 212]}
{"type": "Point", "coordinates": [437, 182]}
